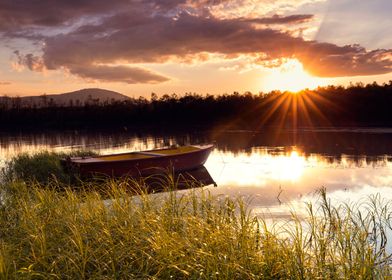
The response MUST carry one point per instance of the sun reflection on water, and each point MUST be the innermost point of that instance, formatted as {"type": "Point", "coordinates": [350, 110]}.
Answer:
{"type": "Point", "coordinates": [257, 167]}
{"type": "Point", "coordinates": [276, 181]}
{"type": "Point", "coordinates": [288, 167]}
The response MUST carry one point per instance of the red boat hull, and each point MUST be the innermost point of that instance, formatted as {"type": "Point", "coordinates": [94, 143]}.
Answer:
{"type": "Point", "coordinates": [145, 166]}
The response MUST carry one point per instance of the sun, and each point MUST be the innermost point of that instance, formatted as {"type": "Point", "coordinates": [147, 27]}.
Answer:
{"type": "Point", "coordinates": [291, 76]}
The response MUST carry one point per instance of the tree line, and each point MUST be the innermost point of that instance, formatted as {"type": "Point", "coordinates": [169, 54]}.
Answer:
{"type": "Point", "coordinates": [355, 105]}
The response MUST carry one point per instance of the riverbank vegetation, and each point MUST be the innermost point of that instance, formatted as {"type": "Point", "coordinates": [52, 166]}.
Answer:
{"type": "Point", "coordinates": [355, 105]}
{"type": "Point", "coordinates": [47, 234]}
{"type": "Point", "coordinates": [42, 168]}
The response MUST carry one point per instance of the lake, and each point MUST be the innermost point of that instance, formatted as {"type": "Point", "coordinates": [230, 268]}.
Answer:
{"type": "Point", "coordinates": [274, 171]}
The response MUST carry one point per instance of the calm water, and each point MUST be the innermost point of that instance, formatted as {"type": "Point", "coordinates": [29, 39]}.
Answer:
{"type": "Point", "coordinates": [274, 171]}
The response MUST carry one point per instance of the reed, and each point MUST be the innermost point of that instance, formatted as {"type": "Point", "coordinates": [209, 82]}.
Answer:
{"type": "Point", "coordinates": [102, 231]}
{"type": "Point", "coordinates": [183, 235]}
{"type": "Point", "coordinates": [42, 167]}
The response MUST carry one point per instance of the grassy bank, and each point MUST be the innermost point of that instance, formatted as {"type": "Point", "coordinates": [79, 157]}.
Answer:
{"type": "Point", "coordinates": [79, 235]}
{"type": "Point", "coordinates": [43, 168]}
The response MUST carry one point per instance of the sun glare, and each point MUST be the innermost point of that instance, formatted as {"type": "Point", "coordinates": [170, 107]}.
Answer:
{"type": "Point", "coordinates": [290, 167]}
{"type": "Point", "coordinates": [291, 76]}
{"type": "Point", "coordinates": [256, 169]}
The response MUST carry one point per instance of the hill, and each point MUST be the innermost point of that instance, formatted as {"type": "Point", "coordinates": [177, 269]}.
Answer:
{"type": "Point", "coordinates": [79, 97]}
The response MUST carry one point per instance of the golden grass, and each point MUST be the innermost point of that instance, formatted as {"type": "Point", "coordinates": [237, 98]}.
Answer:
{"type": "Point", "coordinates": [194, 235]}
{"type": "Point", "coordinates": [51, 229]}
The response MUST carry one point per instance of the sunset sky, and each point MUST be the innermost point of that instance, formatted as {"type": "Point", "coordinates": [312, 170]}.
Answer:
{"type": "Point", "coordinates": [206, 46]}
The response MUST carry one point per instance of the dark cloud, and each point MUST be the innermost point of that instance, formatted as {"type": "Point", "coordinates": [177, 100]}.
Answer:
{"type": "Point", "coordinates": [20, 14]}
{"type": "Point", "coordinates": [34, 63]}
{"type": "Point", "coordinates": [104, 73]}
{"type": "Point", "coordinates": [129, 75]}
{"type": "Point", "coordinates": [4, 83]}
{"type": "Point", "coordinates": [159, 31]}
{"type": "Point", "coordinates": [17, 14]}
{"type": "Point", "coordinates": [139, 39]}
{"type": "Point", "coordinates": [277, 19]}
{"type": "Point", "coordinates": [357, 62]}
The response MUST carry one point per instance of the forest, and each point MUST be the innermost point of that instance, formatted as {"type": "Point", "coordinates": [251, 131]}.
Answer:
{"type": "Point", "coordinates": [337, 106]}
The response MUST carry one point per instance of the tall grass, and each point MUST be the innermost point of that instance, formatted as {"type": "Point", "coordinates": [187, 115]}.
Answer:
{"type": "Point", "coordinates": [194, 235]}
{"type": "Point", "coordinates": [47, 234]}
{"type": "Point", "coordinates": [42, 167]}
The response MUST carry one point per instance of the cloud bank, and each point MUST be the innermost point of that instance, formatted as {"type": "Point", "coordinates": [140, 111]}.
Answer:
{"type": "Point", "coordinates": [106, 38]}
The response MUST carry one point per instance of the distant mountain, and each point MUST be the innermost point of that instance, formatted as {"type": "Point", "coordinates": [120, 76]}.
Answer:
{"type": "Point", "coordinates": [79, 97]}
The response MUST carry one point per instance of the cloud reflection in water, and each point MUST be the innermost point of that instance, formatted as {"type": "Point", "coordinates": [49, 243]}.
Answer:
{"type": "Point", "coordinates": [278, 182]}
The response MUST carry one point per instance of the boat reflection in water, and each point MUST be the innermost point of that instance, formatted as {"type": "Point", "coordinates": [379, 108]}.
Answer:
{"type": "Point", "coordinates": [168, 181]}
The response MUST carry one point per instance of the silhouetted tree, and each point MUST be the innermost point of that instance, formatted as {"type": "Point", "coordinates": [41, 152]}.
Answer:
{"type": "Point", "coordinates": [357, 104]}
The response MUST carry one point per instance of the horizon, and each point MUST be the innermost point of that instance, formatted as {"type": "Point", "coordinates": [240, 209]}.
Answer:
{"type": "Point", "coordinates": [134, 96]}
{"type": "Point", "coordinates": [207, 47]}
{"type": "Point", "coordinates": [148, 97]}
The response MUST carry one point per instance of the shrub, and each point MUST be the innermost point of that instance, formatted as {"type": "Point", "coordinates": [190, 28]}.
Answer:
{"type": "Point", "coordinates": [42, 167]}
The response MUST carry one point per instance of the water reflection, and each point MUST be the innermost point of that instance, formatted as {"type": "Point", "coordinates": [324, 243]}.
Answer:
{"type": "Point", "coordinates": [357, 142]}
{"type": "Point", "coordinates": [183, 180]}
{"type": "Point", "coordinates": [274, 171]}
{"type": "Point", "coordinates": [278, 181]}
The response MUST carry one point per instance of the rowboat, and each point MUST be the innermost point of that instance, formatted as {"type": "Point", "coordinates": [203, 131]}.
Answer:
{"type": "Point", "coordinates": [142, 163]}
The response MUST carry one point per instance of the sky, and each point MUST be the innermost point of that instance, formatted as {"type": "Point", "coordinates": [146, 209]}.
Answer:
{"type": "Point", "coordinates": [137, 47]}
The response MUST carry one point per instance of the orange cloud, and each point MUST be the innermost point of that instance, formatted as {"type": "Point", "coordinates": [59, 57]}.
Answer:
{"type": "Point", "coordinates": [157, 31]}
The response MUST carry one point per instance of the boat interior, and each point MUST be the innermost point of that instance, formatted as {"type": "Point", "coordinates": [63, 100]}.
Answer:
{"type": "Point", "coordinates": [150, 154]}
